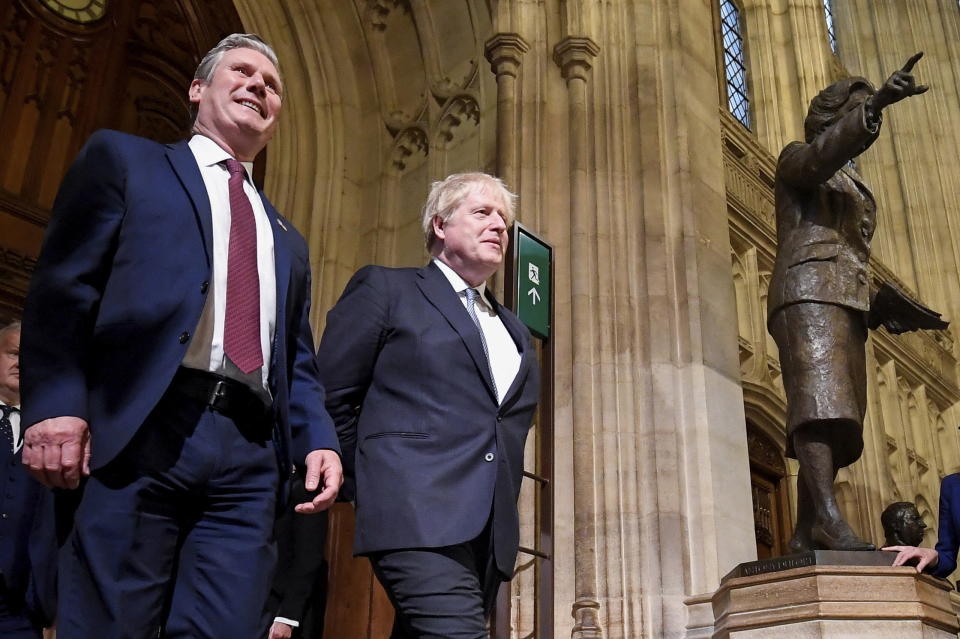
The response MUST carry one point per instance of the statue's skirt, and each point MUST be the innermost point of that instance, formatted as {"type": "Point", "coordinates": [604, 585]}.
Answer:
{"type": "Point", "coordinates": [823, 361]}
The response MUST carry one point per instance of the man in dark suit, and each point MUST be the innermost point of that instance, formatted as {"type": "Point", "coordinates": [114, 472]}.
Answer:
{"type": "Point", "coordinates": [940, 561]}
{"type": "Point", "coordinates": [167, 353]}
{"type": "Point", "coordinates": [433, 385]}
{"type": "Point", "coordinates": [28, 550]}
{"type": "Point", "coordinates": [298, 594]}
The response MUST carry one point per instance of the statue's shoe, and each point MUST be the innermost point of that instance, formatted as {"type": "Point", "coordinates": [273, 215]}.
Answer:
{"type": "Point", "coordinates": [838, 536]}
{"type": "Point", "coordinates": [801, 542]}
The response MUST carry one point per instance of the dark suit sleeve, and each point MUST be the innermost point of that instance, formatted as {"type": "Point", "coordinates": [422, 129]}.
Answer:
{"type": "Point", "coordinates": [948, 537]}
{"type": "Point", "coordinates": [300, 577]}
{"type": "Point", "coordinates": [67, 284]}
{"type": "Point", "coordinates": [356, 328]}
{"type": "Point", "coordinates": [806, 165]}
{"type": "Point", "coordinates": [41, 597]}
{"type": "Point", "coordinates": [311, 428]}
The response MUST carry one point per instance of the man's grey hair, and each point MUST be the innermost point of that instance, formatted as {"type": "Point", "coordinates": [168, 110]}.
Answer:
{"type": "Point", "coordinates": [209, 63]}
{"type": "Point", "coordinates": [9, 328]}
{"type": "Point", "coordinates": [447, 194]}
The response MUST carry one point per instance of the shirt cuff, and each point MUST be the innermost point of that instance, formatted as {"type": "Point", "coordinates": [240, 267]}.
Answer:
{"type": "Point", "coordinates": [289, 622]}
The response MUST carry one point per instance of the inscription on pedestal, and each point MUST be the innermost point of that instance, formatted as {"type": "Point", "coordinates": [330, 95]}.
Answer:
{"type": "Point", "coordinates": [812, 558]}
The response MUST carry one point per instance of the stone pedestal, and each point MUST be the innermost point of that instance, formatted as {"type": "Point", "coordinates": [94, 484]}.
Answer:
{"type": "Point", "coordinates": [835, 602]}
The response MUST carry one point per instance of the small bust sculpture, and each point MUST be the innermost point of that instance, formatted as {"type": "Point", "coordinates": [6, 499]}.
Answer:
{"type": "Point", "coordinates": [902, 524]}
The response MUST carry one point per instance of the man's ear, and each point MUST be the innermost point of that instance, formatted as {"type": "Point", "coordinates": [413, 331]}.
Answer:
{"type": "Point", "coordinates": [196, 90]}
{"type": "Point", "coordinates": [438, 227]}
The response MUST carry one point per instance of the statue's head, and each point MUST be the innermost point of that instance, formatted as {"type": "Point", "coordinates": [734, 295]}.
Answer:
{"type": "Point", "coordinates": [902, 524]}
{"type": "Point", "coordinates": [834, 102]}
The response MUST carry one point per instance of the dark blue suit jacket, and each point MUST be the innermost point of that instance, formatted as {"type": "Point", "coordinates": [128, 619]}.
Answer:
{"type": "Point", "coordinates": [28, 544]}
{"type": "Point", "coordinates": [948, 533]}
{"type": "Point", "coordinates": [409, 389]}
{"type": "Point", "coordinates": [119, 289]}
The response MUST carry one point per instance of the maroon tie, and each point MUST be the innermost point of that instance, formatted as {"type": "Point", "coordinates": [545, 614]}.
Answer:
{"type": "Point", "coordinates": [241, 326]}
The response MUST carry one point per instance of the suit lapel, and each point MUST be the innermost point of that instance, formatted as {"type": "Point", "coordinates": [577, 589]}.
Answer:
{"type": "Point", "coordinates": [281, 259]}
{"type": "Point", "coordinates": [436, 288]}
{"type": "Point", "coordinates": [184, 164]}
{"type": "Point", "coordinates": [858, 182]}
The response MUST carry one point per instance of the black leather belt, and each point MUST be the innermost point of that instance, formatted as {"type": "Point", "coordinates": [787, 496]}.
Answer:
{"type": "Point", "coordinates": [226, 396]}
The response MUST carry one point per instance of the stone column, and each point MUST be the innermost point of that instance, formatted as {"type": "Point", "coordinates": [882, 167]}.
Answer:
{"type": "Point", "coordinates": [574, 56]}
{"type": "Point", "coordinates": [504, 51]}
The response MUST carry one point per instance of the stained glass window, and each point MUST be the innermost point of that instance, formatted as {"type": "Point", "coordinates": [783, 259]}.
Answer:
{"type": "Point", "coordinates": [738, 100]}
{"type": "Point", "coordinates": [831, 32]}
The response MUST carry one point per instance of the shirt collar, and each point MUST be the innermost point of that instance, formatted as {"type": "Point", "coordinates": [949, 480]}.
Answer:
{"type": "Point", "coordinates": [458, 283]}
{"type": "Point", "coordinates": [3, 403]}
{"type": "Point", "coordinates": [209, 153]}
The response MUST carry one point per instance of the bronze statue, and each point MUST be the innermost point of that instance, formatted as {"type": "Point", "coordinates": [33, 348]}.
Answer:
{"type": "Point", "coordinates": [902, 524]}
{"type": "Point", "coordinates": [820, 302]}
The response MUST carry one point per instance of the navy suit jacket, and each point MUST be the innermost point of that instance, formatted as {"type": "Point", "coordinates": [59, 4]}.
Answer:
{"type": "Point", "coordinates": [409, 389]}
{"type": "Point", "coordinates": [948, 533]}
{"type": "Point", "coordinates": [119, 288]}
{"type": "Point", "coordinates": [28, 544]}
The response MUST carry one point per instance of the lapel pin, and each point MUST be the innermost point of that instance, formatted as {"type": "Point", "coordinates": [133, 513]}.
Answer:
{"type": "Point", "coordinates": [282, 225]}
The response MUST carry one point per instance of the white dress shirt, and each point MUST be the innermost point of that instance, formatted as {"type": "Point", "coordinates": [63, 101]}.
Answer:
{"type": "Point", "coordinates": [209, 157]}
{"type": "Point", "coordinates": [502, 350]}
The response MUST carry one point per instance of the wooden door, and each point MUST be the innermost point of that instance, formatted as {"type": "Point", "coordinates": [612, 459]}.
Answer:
{"type": "Point", "coordinates": [768, 483]}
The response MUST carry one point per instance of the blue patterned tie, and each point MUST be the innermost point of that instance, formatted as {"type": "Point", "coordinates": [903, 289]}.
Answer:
{"type": "Point", "coordinates": [6, 427]}
{"type": "Point", "coordinates": [472, 295]}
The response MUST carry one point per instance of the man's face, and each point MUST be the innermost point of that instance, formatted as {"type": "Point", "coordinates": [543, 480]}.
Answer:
{"type": "Point", "coordinates": [10, 367]}
{"type": "Point", "coordinates": [474, 236]}
{"type": "Point", "coordinates": [238, 108]}
{"type": "Point", "coordinates": [912, 530]}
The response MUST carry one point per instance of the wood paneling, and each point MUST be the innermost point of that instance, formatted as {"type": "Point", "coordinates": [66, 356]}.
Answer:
{"type": "Point", "coordinates": [60, 81]}
{"type": "Point", "coordinates": [357, 606]}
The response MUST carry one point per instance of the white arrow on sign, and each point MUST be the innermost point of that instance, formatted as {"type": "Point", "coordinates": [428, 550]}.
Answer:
{"type": "Point", "coordinates": [534, 296]}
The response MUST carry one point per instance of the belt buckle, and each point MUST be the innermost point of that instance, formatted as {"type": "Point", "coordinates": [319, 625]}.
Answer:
{"type": "Point", "coordinates": [218, 392]}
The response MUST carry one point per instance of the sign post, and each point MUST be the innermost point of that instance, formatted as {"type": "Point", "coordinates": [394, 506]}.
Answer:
{"type": "Point", "coordinates": [528, 291]}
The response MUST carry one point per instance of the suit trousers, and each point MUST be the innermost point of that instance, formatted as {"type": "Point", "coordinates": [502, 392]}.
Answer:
{"type": "Point", "coordinates": [440, 593]}
{"type": "Point", "coordinates": [174, 537]}
{"type": "Point", "coordinates": [14, 622]}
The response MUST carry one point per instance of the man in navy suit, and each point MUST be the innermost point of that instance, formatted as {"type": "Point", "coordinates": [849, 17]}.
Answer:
{"type": "Point", "coordinates": [942, 560]}
{"type": "Point", "coordinates": [433, 385]}
{"type": "Point", "coordinates": [167, 353]}
{"type": "Point", "coordinates": [28, 549]}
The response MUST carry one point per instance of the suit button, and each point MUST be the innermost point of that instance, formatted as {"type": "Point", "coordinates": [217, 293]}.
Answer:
{"type": "Point", "coordinates": [204, 287]}
{"type": "Point", "coordinates": [499, 418]}
{"type": "Point", "coordinates": [488, 457]}
{"type": "Point", "coordinates": [184, 337]}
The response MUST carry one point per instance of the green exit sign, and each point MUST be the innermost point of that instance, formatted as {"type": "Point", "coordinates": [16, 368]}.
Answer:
{"type": "Point", "coordinates": [533, 281]}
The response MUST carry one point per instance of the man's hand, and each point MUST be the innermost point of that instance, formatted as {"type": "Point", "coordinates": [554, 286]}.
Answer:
{"type": "Point", "coordinates": [901, 84]}
{"type": "Point", "coordinates": [57, 451]}
{"type": "Point", "coordinates": [924, 556]}
{"type": "Point", "coordinates": [280, 630]}
{"type": "Point", "coordinates": [324, 464]}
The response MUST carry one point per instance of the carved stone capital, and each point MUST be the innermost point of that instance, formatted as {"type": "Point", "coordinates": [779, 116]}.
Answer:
{"type": "Point", "coordinates": [504, 51]}
{"type": "Point", "coordinates": [574, 55]}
